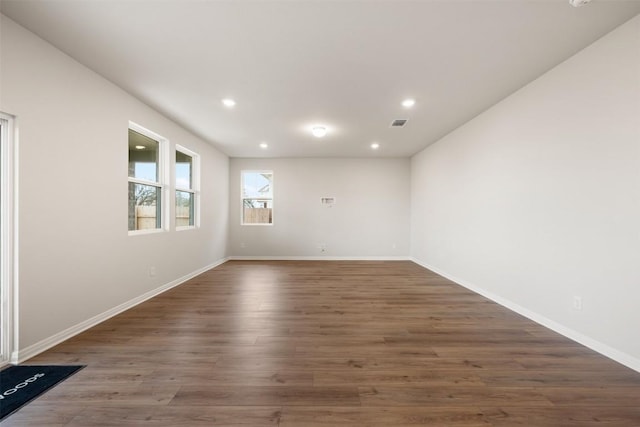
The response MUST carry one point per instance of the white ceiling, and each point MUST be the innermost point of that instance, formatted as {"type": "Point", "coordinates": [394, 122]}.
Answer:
{"type": "Point", "coordinates": [346, 64]}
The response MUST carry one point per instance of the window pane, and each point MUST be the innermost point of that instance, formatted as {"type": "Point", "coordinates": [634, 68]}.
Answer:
{"type": "Point", "coordinates": [184, 168]}
{"type": "Point", "coordinates": [257, 197]}
{"type": "Point", "coordinates": [144, 207]}
{"type": "Point", "coordinates": [184, 209]}
{"type": "Point", "coordinates": [257, 185]}
{"type": "Point", "coordinates": [143, 157]}
{"type": "Point", "coordinates": [257, 211]}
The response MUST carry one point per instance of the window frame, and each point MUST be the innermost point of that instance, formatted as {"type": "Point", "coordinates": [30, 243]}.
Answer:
{"type": "Point", "coordinates": [242, 198]}
{"type": "Point", "coordinates": [163, 148]}
{"type": "Point", "coordinates": [194, 190]}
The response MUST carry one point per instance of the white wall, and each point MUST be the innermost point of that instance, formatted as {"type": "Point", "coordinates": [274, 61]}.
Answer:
{"type": "Point", "coordinates": [370, 217]}
{"type": "Point", "coordinates": [76, 258]}
{"type": "Point", "coordinates": [537, 200]}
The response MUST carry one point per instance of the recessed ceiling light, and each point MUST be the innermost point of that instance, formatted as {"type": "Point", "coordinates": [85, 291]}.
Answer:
{"type": "Point", "coordinates": [264, 145]}
{"type": "Point", "coordinates": [140, 147]}
{"type": "Point", "coordinates": [375, 146]}
{"type": "Point", "coordinates": [228, 102]}
{"type": "Point", "coordinates": [319, 131]}
{"type": "Point", "coordinates": [408, 103]}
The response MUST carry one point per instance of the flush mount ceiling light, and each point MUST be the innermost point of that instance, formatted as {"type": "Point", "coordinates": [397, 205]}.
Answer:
{"type": "Point", "coordinates": [319, 131]}
{"type": "Point", "coordinates": [578, 3]}
{"type": "Point", "coordinates": [228, 102]}
{"type": "Point", "coordinates": [264, 145]}
{"type": "Point", "coordinates": [140, 147]}
{"type": "Point", "coordinates": [375, 146]}
{"type": "Point", "coordinates": [408, 103]}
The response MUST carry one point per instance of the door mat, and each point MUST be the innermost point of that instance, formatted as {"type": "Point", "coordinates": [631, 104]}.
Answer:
{"type": "Point", "coordinates": [21, 384]}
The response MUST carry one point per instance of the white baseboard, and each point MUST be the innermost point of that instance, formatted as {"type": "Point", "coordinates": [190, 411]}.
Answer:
{"type": "Point", "coordinates": [37, 348]}
{"type": "Point", "coordinates": [610, 352]}
{"type": "Point", "coordinates": [319, 258]}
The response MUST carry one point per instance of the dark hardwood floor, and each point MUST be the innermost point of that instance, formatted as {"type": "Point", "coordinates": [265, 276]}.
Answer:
{"type": "Point", "coordinates": [329, 344]}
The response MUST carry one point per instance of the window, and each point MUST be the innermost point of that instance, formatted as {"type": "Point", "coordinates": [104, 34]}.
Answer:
{"type": "Point", "coordinates": [257, 197]}
{"type": "Point", "coordinates": [186, 188]}
{"type": "Point", "coordinates": [146, 180]}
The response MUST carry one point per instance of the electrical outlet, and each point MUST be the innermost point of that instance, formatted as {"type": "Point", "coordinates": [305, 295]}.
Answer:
{"type": "Point", "coordinates": [577, 303]}
{"type": "Point", "coordinates": [152, 271]}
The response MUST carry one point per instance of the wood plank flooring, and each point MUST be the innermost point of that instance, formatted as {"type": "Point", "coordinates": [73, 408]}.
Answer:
{"type": "Point", "coordinates": [319, 344]}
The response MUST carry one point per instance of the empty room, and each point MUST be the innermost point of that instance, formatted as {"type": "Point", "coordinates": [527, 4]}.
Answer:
{"type": "Point", "coordinates": [320, 213]}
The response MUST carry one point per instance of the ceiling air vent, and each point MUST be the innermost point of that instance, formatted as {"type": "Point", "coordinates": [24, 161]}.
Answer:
{"type": "Point", "coordinates": [398, 123]}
